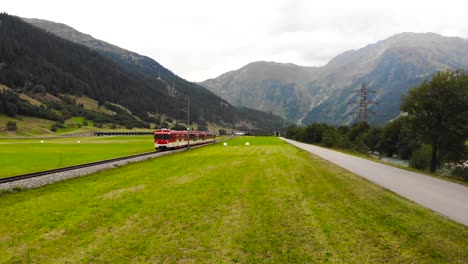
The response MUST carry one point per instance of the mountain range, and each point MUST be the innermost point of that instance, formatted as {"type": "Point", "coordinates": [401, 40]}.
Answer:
{"type": "Point", "coordinates": [65, 61]}
{"type": "Point", "coordinates": [328, 94]}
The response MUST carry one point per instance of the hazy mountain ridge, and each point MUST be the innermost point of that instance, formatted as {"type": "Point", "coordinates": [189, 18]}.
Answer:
{"type": "Point", "coordinates": [390, 67]}
{"type": "Point", "coordinates": [282, 85]}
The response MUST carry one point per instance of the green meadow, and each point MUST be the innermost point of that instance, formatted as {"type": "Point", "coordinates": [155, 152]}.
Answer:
{"type": "Point", "coordinates": [18, 156]}
{"type": "Point", "coordinates": [264, 203]}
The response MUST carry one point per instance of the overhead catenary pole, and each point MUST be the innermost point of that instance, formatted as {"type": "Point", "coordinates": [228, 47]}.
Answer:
{"type": "Point", "coordinates": [188, 122]}
{"type": "Point", "coordinates": [214, 125]}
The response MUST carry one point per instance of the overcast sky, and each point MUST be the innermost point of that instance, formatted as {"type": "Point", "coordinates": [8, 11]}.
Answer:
{"type": "Point", "coordinates": [201, 39]}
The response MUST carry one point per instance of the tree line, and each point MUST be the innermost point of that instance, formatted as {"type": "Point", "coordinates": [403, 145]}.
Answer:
{"type": "Point", "coordinates": [432, 130]}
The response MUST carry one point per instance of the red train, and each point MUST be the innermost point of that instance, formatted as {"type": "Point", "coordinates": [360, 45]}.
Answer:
{"type": "Point", "coordinates": [166, 138]}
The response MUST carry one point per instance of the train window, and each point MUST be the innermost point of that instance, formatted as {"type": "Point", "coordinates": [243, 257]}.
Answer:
{"type": "Point", "coordinates": [162, 136]}
{"type": "Point", "coordinates": [202, 137]}
{"type": "Point", "coordinates": [193, 137]}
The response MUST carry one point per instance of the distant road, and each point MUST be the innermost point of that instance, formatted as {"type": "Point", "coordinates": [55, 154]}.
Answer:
{"type": "Point", "coordinates": [447, 198]}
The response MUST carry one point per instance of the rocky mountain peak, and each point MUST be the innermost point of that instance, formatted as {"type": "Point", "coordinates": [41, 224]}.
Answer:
{"type": "Point", "coordinates": [390, 67]}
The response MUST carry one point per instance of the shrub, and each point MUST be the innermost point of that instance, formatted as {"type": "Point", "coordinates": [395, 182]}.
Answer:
{"type": "Point", "coordinates": [330, 138]}
{"type": "Point", "coordinates": [359, 146]}
{"type": "Point", "coordinates": [11, 126]}
{"type": "Point", "coordinates": [179, 127]}
{"type": "Point", "coordinates": [461, 170]}
{"type": "Point", "coordinates": [421, 157]}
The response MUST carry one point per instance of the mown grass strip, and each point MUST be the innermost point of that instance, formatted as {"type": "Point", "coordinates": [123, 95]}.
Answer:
{"type": "Point", "coordinates": [267, 202]}
{"type": "Point", "coordinates": [19, 156]}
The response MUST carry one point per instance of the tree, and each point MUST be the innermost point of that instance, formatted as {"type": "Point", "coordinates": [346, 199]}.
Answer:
{"type": "Point", "coordinates": [438, 112]}
{"type": "Point", "coordinates": [314, 133]}
{"type": "Point", "coordinates": [179, 127]}
{"type": "Point", "coordinates": [331, 138]}
{"type": "Point", "coordinates": [373, 137]}
{"type": "Point", "coordinates": [10, 109]}
{"type": "Point", "coordinates": [358, 129]}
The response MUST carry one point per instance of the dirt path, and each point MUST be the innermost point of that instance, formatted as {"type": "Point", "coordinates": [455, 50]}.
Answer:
{"type": "Point", "coordinates": [446, 198]}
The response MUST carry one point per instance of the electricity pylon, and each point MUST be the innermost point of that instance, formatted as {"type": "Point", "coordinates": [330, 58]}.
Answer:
{"type": "Point", "coordinates": [363, 103]}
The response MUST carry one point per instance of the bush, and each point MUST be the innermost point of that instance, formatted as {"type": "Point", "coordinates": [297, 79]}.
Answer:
{"type": "Point", "coordinates": [179, 127]}
{"type": "Point", "coordinates": [359, 146]}
{"type": "Point", "coordinates": [330, 138]}
{"type": "Point", "coordinates": [11, 126]}
{"type": "Point", "coordinates": [421, 157]}
{"type": "Point", "coordinates": [344, 143]}
{"type": "Point", "coordinates": [164, 125]}
{"type": "Point", "coordinates": [461, 170]}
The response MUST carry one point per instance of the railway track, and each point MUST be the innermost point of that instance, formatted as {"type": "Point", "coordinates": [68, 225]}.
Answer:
{"type": "Point", "coordinates": [36, 179]}
{"type": "Point", "coordinates": [69, 168]}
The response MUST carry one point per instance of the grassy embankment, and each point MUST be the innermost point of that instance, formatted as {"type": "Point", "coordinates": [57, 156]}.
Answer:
{"type": "Point", "coordinates": [27, 126]}
{"type": "Point", "coordinates": [18, 156]}
{"type": "Point", "coordinates": [267, 202]}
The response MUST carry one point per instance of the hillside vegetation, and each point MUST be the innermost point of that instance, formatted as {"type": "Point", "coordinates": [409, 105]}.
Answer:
{"type": "Point", "coordinates": [36, 61]}
{"type": "Point", "coordinates": [267, 202]}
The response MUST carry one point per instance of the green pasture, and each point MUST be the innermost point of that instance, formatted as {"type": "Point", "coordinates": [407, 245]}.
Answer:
{"type": "Point", "coordinates": [264, 203]}
{"type": "Point", "coordinates": [18, 156]}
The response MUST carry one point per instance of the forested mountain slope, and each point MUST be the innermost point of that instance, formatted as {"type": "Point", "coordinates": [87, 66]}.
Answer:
{"type": "Point", "coordinates": [31, 56]}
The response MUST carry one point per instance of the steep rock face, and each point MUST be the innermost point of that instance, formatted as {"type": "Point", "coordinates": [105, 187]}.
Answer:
{"type": "Point", "coordinates": [272, 87]}
{"type": "Point", "coordinates": [309, 94]}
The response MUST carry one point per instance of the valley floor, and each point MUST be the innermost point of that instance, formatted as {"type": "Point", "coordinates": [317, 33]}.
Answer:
{"type": "Point", "coordinates": [267, 202]}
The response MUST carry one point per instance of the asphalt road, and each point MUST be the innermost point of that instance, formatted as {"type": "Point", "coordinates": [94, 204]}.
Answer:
{"type": "Point", "coordinates": [446, 198]}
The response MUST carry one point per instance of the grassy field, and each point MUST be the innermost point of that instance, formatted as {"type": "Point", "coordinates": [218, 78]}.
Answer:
{"type": "Point", "coordinates": [264, 203]}
{"type": "Point", "coordinates": [18, 156]}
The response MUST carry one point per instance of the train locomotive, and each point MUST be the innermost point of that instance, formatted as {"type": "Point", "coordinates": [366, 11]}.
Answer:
{"type": "Point", "coordinates": [170, 139]}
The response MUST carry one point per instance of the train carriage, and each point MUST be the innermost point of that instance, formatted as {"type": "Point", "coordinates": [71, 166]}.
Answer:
{"type": "Point", "coordinates": [169, 139]}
